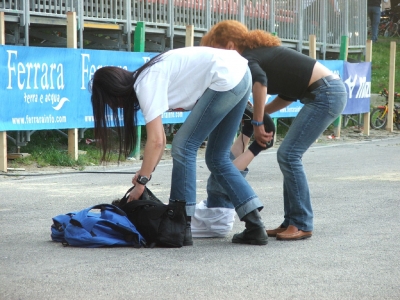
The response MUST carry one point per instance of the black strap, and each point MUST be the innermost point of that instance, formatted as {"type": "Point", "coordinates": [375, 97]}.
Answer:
{"type": "Point", "coordinates": [307, 95]}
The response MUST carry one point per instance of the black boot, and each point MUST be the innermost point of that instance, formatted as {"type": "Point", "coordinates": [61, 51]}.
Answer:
{"type": "Point", "coordinates": [254, 233]}
{"type": "Point", "coordinates": [187, 240]}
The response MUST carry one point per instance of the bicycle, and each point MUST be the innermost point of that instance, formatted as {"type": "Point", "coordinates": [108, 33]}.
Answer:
{"type": "Point", "coordinates": [352, 120]}
{"type": "Point", "coordinates": [384, 21]}
{"type": "Point", "coordinates": [379, 114]}
{"type": "Point", "coordinates": [392, 27]}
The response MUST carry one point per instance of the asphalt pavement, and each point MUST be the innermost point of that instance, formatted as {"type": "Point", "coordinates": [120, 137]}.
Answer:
{"type": "Point", "coordinates": [354, 252]}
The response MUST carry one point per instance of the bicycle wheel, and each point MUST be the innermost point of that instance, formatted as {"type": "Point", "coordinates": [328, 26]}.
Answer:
{"type": "Point", "coordinates": [378, 118]}
{"type": "Point", "coordinates": [395, 29]}
{"type": "Point", "coordinates": [391, 30]}
{"type": "Point", "coordinates": [351, 120]}
{"type": "Point", "coordinates": [382, 28]}
{"type": "Point", "coordinates": [398, 27]}
{"type": "Point", "coordinates": [396, 121]}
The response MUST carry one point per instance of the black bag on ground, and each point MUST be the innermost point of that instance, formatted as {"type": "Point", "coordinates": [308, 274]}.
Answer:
{"type": "Point", "coordinates": [160, 224]}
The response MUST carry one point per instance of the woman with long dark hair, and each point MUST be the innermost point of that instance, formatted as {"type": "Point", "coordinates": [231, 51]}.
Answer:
{"type": "Point", "coordinates": [292, 76]}
{"type": "Point", "coordinates": [214, 85]}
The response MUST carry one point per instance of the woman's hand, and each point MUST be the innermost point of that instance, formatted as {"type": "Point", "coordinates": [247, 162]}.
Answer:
{"type": "Point", "coordinates": [261, 136]}
{"type": "Point", "coordinates": [134, 178]}
{"type": "Point", "coordinates": [259, 98]}
{"type": "Point", "coordinates": [136, 192]}
{"type": "Point", "coordinates": [153, 150]}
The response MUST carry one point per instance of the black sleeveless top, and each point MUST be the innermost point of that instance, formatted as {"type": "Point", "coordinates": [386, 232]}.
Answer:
{"type": "Point", "coordinates": [283, 71]}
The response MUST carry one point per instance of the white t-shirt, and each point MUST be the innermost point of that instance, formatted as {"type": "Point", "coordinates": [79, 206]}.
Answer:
{"type": "Point", "coordinates": [183, 75]}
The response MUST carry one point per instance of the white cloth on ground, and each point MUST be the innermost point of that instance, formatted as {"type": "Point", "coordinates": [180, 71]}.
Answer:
{"type": "Point", "coordinates": [212, 222]}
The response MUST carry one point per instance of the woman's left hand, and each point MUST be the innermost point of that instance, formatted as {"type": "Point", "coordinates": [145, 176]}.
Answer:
{"type": "Point", "coordinates": [134, 178]}
{"type": "Point", "coordinates": [137, 191]}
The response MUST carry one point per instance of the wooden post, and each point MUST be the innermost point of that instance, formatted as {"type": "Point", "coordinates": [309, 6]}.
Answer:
{"type": "Point", "coordinates": [342, 56]}
{"type": "Point", "coordinates": [312, 52]}
{"type": "Point", "coordinates": [3, 134]}
{"type": "Point", "coordinates": [392, 65]}
{"type": "Point", "coordinates": [368, 58]}
{"type": "Point", "coordinates": [138, 46]}
{"type": "Point", "coordinates": [2, 29]}
{"type": "Point", "coordinates": [72, 42]}
{"type": "Point", "coordinates": [189, 39]}
{"type": "Point", "coordinates": [3, 151]}
{"type": "Point", "coordinates": [275, 119]}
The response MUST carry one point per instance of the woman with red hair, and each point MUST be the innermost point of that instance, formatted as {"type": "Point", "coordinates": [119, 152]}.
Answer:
{"type": "Point", "coordinates": [291, 76]}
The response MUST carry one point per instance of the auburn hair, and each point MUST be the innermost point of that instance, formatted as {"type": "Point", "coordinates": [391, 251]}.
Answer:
{"type": "Point", "coordinates": [236, 32]}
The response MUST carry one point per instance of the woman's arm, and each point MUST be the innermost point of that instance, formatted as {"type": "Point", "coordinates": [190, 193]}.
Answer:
{"type": "Point", "coordinates": [153, 151]}
{"type": "Point", "coordinates": [242, 161]}
{"type": "Point", "coordinates": [277, 104]}
{"type": "Point", "coordinates": [259, 97]}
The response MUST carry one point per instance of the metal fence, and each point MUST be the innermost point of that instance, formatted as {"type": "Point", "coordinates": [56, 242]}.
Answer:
{"type": "Point", "coordinates": [292, 20]}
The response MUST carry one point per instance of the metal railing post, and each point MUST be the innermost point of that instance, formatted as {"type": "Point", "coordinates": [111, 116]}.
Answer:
{"type": "Point", "coordinates": [300, 24]}
{"type": "Point", "coordinates": [272, 16]}
{"type": "Point", "coordinates": [26, 20]}
{"type": "Point", "coordinates": [346, 19]}
{"type": "Point", "coordinates": [208, 13]}
{"type": "Point", "coordinates": [171, 19]}
{"type": "Point", "coordinates": [128, 26]}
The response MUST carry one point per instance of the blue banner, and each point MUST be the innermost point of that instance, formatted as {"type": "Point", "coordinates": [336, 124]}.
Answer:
{"type": "Point", "coordinates": [47, 88]}
{"type": "Point", "coordinates": [357, 78]}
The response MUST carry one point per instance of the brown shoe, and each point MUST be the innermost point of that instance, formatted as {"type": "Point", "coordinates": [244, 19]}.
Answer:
{"type": "Point", "coordinates": [274, 232]}
{"type": "Point", "coordinates": [293, 234]}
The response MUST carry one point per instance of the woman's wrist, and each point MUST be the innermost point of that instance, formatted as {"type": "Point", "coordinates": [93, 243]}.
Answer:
{"type": "Point", "coordinates": [139, 187]}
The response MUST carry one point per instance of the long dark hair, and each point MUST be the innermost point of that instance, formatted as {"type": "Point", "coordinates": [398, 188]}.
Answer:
{"type": "Point", "coordinates": [112, 88]}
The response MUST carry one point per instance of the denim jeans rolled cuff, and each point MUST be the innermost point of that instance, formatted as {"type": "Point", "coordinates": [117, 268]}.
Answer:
{"type": "Point", "coordinates": [248, 207]}
{"type": "Point", "coordinates": [216, 194]}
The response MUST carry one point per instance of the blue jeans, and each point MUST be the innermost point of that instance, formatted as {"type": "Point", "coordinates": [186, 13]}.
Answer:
{"type": "Point", "coordinates": [217, 116]}
{"type": "Point", "coordinates": [309, 124]}
{"type": "Point", "coordinates": [216, 195]}
{"type": "Point", "coordinates": [374, 13]}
